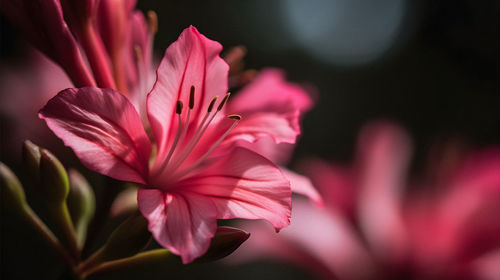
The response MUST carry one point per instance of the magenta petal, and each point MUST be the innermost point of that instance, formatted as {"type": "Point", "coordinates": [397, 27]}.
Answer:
{"type": "Point", "coordinates": [184, 224]}
{"type": "Point", "coordinates": [192, 60]}
{"type": "Point", "coordinates": [244, 185]}
{"type": "Point", "coordinates": [103, 129]}
{"type": "Point", "coordinates": [270, 106]}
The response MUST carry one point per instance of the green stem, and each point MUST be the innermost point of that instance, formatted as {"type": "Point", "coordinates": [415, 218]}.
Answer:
{"type": "Point", "coordinates": [49, 238]}
{"type": "Point", "coordinates": [138, 260]}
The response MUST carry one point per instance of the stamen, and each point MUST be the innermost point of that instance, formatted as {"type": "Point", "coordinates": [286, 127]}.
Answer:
{"type": "Point", "coordinates": [191, 98]}
{"type": "Point", "coordinates": [191, 106]}
{"type": "Point", "coordinates": [176, 139]}
{"type": "Point", "coordinates": [152, 22]}
{"type": "Point", "coordinates": [178, 107]}
{"type": "Point", "coordinates": [200, 131]}
{"type": "Point", "coordinates": [141, 69]}
{"type": "Point", "coordinates": [138, 53]}
{"type": "Point", "coordinates": [223, 102]}
{"type": "Point", "coordinates": [210, 107]}
{"type": "Point", "coordinates": [236, 119]}
{"type": "Point", "coordinates": [212, 103]}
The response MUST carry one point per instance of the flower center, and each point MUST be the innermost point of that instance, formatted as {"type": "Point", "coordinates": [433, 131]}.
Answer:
{"type": "Point", "coordinates": [183, 146]}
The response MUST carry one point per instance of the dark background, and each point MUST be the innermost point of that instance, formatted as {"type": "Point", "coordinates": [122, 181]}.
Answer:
{"type": "Point", "coordinates": [438, 76]}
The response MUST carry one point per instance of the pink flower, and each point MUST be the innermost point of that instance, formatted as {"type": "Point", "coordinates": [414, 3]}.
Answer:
{"type": "Point", "coordinates": [105, 43]}
{"type": "Point", "coordinates": [196, 175]}
{"type": "Point", "coordinates": [374, 228]}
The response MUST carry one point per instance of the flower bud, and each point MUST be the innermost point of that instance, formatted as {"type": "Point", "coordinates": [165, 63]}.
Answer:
{"type": "Point", "coordinates": [225, 241]}
{"type": "Point", "coordinates": [126, 240]}
{"type": "Point", "coordinates": [14, 201]}
{"type": "Point", "coordinates": [125, 202]}
{"type": "Point", "coordinates": [81, 205]}
{"type": "Point", "coordinates": [13, 198]}
{"type": "Point", "coordinates": [54, 189]}
{"type": "Point", "coordinates": [31, 161]}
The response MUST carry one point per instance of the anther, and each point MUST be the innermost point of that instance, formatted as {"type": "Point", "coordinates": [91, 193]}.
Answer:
{"type": "Point", "coordinates": [138, 53]}
{"type": "Point", "coordinates": [178, 108]}
{"type": "Point", "coordinates": [234, 117]}
{"type": "Point", "coordinates": [152, 22]}
{"type": "Point", "coordinates": [212, 103]}
{"type": "Point", "coordinates": [191, 98]}
{"type": "Point", "coordinates": [223, 102]}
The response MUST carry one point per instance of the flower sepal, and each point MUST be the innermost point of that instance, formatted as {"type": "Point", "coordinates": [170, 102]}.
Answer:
{"type": "Point", "coordinates": [224, 243]}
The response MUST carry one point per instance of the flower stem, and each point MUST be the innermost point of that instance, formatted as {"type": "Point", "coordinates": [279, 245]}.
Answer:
{"type": "Point", "coordinates": [138, 260]}
{"type": "Point", "coordinates": [47, 235]}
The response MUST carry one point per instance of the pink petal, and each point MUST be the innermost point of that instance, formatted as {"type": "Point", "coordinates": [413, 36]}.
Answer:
{"type": "Point", "coordinates": [302, 185]}
{"type": "Point", "coordinates": [270, 106]}
{"type": "Point", "coordinates": [458, 220]}
{"type": "Point", "coordinates": [383, 160]}
{"type": "Point", "coordinates": [192, 60]}
{"type": "Point", "coordinates": [487, 267]}
{"type": "Point", "coordinates": [103, 129]}
{"type": "Point", "coordinates": [470, 204]}
{"type": "Point", "coordinates": [182, 223]}
{"type": "Point", "coordinates": [244, 185]}
{"type": "Point", "coordinates": [319, 239]}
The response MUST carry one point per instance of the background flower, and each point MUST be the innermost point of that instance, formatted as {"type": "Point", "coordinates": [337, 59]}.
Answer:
{"type": "Point", "coordinates": [377, 224]}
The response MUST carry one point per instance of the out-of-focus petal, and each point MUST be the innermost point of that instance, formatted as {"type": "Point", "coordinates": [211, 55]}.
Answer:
{"type": "Point", "coordinates": [382, 163]}
{"type": "Point", "coordinates": [334, 183]}
{"type": "Point", "coordinates": [244, 185]}
{"type": "Point", "coordinates": [270, 106]}
{"type": "Point", "coordinates": [16, 86]}
{"type": "Point", "coordinates": [103, 129]}
{"type": "Point", "coordinates": [318, 239]}
{"type": "Point", "coordinates": [182, 223]}
{"type": "Point", "coordinates": [303, 185]}
{"type": "Point", "coordinates": [470, 203]}
{"type": "Point", "coordinates": [487, 267]}
{"type": "Point", "coordinates": [192, 60]}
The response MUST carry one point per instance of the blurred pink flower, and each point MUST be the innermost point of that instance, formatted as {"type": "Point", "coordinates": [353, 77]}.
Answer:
{"type": "Point", "coordinates": [197, 175]}
{"type": "Point", "coordinates": [102, 43]}
{"type": "Point", "coordinates": [373, 227]}
{"type": "Point", "coordinates": [19, 104]}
